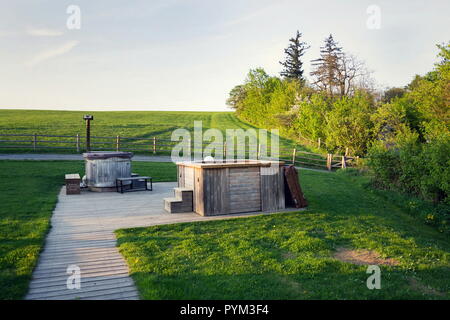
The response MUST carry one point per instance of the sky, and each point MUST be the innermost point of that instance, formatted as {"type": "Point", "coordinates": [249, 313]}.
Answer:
{"type": "Point", "coordinates": [188, 54]}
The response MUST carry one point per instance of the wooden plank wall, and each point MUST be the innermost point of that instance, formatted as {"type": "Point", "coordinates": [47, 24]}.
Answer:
{"type": "Point", "coordinates": [215, 191]}
{"type": "Point", "coordinates": [198, 205]}
{"type": "Point", "coordinates": [272, 188]}
{"type": "Point", "coordinates": [189, 177]}
{"type": "Point", "coordinates": [233, 190]}
{"type": "Point", "coordinates": [244, 189]}
{"type": "Point", "coordinates": [180, 174]}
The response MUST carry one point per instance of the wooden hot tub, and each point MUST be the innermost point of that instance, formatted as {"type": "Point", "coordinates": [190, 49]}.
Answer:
{"type": "Point", "coordinates": [233, 186]}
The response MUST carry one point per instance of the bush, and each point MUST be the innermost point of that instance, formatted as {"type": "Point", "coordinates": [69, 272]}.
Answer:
{"type": "Point", "coordinates": [436, 162]}
{"type": "Point", "coordinates": [348, 124]}
{"type": "Point", "coordinates": [310, 119]}
{"type": "Point", "coordinates": [419, 169]}
{"type": "Point", "coordinates": [385, 165]}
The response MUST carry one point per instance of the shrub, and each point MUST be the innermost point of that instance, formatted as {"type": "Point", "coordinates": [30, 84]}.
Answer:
{"type": "Point", "coordinates": [348, 124]}
{"type": "Point", "coordinates": [436, 162]}
{"type": "Point", "coordinates": [385, 165]}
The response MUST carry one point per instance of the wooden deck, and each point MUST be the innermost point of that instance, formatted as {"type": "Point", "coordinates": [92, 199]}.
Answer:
{"type": "Point", "coordinates": [82, 234]}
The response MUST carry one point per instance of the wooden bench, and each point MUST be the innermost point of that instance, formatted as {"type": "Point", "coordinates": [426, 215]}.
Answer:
{"type": "Point", "coordinates": [120, 185]}
{"type": "Point", "coordinates": [72, 183]}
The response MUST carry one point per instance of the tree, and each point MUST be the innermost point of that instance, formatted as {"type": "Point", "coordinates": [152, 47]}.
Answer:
{"type": "Point", "coordinates": [352, 75]}
{"type": "Point", "coordinates": [237, 96]}
{"type": "Point", "coordinates": [326, 68]}
{"type": "Point", "coordinates": [256, 105]}
{"type": "Point", "coordinates": [293, 65]}
{"type": "Point", "coordinates": [338, 73]}
{"type": "Point", "coordinates": [432, 96]}
{"type": "Point", "coordinates": [414, 82]}
{"type": "Point", "coordinates": [392, 93]}
{"type": "Point", "coordinates": [349, 125]}
{"type": "Point", "coordinates": [417, 156]}
{"type": "Point", "coordinates": [310, 121]}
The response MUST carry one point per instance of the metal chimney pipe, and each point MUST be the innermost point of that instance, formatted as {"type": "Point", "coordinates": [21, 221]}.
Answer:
{"type": "Point", "coordinates": [88, 119]}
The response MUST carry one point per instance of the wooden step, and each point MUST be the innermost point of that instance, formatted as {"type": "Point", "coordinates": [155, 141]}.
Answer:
{"type": "Point", "coordinates": [175, 205]}
{"type": "Point", "coordinates": [183, 194]}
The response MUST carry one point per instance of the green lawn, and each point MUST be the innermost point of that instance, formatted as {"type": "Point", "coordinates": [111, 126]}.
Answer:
{"type": "Point", "coordinates": [290, 255]}
{"type": "Point", "coordinates": [28, 192]}
{"type": "Point", "coordinates": [125, 123]}
{"type": "Point", "coordinates": [278, 256]}
{"type": "Point", "coordinates": [142, 124]}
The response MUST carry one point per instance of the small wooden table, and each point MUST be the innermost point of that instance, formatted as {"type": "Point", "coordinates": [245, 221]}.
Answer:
{"type": "Point", "coordinates": [119, 184]}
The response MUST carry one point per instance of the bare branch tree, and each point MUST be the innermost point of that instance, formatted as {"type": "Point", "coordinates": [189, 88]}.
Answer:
{"type": "Point", "coordinates": [338, 73]}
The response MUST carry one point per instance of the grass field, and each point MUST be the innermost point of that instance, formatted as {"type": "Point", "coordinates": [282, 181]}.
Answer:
{"type": "Point", "coordinates": [130, 124]}
{"type": "Point", "coordinates": [28, 195]}
{"type": "Point", "coordinates": [278, 256]}
{"type": "Point", "coordinates": [291, 255]}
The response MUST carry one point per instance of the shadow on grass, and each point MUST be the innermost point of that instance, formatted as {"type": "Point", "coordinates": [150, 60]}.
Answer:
{"type": "Point", "coordinates": [290, 255]}
{"type": "Point", "coordinates": [334, 283]}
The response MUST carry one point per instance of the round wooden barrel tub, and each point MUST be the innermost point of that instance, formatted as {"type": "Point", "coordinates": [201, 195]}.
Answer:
{"type": "Point", "coordinates": [104, 167]}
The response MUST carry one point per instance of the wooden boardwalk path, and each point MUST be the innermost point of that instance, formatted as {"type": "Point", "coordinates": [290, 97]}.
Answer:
{"type": "Point", "coordinates": [82, 234]}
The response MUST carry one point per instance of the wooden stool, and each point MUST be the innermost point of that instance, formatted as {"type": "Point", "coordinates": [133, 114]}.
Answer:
{"type": "Point", "coordinates": [73, 183]}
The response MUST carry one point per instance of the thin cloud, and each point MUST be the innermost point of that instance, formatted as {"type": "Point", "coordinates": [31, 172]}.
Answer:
{"type": "Point", "coordinates": [252, 15]}
{"type": "Point", "coordinates": [44, 32]}
{"type": "Point", "coordinates": [54, 52]}
{"type": "Point", "coordinates": [7, 33]}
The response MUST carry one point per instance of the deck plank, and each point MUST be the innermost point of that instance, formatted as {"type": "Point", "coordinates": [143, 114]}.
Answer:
{"type": "Point", "coordinates": [82, 234]}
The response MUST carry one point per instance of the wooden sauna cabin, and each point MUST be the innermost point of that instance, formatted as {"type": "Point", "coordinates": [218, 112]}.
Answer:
{"type": "Point", "coordinates": [228, 187]}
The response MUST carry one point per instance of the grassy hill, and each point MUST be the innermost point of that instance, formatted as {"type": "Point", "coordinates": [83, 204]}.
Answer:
{"type": "Point", "coordinates": [130, 124]}
{"type": "Point", "coordinates": [112, 123]}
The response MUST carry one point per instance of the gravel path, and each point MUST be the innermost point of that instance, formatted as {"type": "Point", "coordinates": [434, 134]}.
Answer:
{"type": "Point", "coordinates": [54, 156]}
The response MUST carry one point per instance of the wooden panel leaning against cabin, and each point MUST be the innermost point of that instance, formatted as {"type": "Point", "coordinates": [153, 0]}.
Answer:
{"type": "Point", "coordinates": [244, 190]}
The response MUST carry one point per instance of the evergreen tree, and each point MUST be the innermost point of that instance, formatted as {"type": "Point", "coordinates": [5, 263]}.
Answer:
{"type": "Point", "coordinates": [293, 65]}
{"type": "Point", "coordinates": [327, 68]}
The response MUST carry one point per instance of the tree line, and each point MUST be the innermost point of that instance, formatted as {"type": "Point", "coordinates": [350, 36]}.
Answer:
{"type": "Point", "coordinates": [403, 132]}
{"type": "Point", "coordinates": [311, 108]}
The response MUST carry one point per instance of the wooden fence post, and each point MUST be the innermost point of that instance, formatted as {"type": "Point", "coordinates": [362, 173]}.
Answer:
{"type": "Point", "coordinates": [318, 143]}
{"type": "Point", "coordinates": [117, 143]}
{"type": "Point", "coordinates": [225, 150]}
{"type": "Point", "coordinates": [344, 162]}
{"type": "Point", "coordinates": [78, 143]}
{"type": "Point", "coordinates": [294, 153]}
{"type": "Point", "coordinates": [346, 151]}
{"type": "Point", "coordinates": [34, 141]}
{"type": "Point", "coordinates": [190, 148]}
{"type": "Point", "coordinates": [154, 145]}
{"type": "Point", "coordinates": [329, 161]}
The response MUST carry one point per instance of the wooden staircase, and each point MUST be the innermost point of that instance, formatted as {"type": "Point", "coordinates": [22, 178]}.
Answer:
{"type": "Point", "coordinates": [182, 202]}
